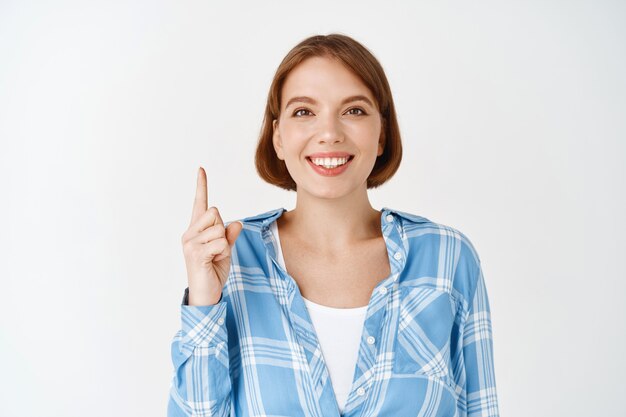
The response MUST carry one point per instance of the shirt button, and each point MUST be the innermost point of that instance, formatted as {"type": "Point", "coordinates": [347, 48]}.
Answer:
{"type": "Point", "coordinates": [389, 218]}
{"type": "Point", "coordinates": [360, 391]}
{"type": "Point", "coordinates": [397, 256]}
{"type": "Point", "coordinates": [383, 290]}
{"type": "Point", "coordinates": [371, 340]}
{"type": "Point", "coordinates": [220, 321]}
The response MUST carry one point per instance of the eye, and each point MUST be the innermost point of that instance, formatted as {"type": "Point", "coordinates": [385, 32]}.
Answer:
{"type": "Point", "coordinates": [357, 114]}
{"type": "Point", "coordinates": [296, 113]}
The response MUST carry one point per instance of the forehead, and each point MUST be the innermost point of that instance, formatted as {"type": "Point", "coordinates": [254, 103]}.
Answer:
{"type": "Point", "coordinates": [323, 78]}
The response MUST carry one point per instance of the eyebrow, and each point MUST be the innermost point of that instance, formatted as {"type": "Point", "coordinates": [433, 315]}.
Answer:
{"type": "Point", "coordinates": [305, 99]}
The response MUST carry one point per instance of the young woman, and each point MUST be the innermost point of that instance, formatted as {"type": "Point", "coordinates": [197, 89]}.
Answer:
{"type": "Point", "coordinates": [333, 308]}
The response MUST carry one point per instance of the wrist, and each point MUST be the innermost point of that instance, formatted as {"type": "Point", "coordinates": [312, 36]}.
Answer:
{"type": "Point", "coordinates": [202, 297]}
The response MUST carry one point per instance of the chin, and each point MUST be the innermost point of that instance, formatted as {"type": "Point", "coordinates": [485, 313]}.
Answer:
{"type": "Point", "coordinates": [330, 192]}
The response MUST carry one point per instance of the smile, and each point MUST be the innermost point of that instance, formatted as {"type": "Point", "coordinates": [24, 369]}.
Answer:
{"type": "Point", "coordinates": [329, 162]}
{"type": "Point", "coordinates": [329, 166]}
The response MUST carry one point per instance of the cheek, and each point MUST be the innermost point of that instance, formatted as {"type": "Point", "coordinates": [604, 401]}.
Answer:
{"type": "Point", "coordinates": [295, 130]}
{"type": "Point", "coordinates": [293, 138]}
{"type": "Point", "coordinates": [367, 137]}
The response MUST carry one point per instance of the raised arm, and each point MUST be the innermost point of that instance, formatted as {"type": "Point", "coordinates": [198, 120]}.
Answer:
{"type": "Point", "coordinates": [201, 383]}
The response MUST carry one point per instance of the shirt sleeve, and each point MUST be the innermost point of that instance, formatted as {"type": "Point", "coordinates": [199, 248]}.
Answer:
{"type": "Point", "coordinates": [480, 392]}
{"type": "Point", "coordinates": [201, 383]}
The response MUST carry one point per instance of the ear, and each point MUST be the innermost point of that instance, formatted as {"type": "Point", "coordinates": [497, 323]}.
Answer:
{"type": "Point", "coordinates": [276, 140]}
{"type": "Point", "coordinates": [381, 141]}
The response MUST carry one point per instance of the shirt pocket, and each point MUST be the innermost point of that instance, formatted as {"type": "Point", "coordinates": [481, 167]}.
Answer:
{"type": "Point", "coordinates": [425, 329]}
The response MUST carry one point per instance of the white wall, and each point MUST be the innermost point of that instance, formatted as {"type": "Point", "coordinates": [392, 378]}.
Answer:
{"type": "Point", "coordinates": [512, 116]}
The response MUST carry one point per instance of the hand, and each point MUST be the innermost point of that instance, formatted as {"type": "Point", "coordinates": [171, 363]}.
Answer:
{"type": "Point", "coordinates": [207, 246]}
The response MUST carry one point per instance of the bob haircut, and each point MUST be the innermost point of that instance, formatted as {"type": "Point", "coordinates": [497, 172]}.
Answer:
{"type": "Point", "coordinates": [364, 65]}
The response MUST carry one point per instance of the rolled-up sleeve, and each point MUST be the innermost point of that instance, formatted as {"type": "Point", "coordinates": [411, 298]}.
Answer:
{"type": "Point", "coordinates": [201, 383]}
{"type": "Point", "coordinates": [480, 388]}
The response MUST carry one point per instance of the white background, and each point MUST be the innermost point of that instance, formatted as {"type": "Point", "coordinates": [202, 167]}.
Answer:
{"type": "Point", "coordinates": [514, 131]}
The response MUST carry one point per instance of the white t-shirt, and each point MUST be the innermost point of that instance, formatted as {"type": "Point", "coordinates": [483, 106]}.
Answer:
{"type": "Point", "coordinates": [339, 332]}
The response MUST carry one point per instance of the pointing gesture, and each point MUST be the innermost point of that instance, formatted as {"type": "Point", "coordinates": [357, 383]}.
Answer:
{"type": "Point", "coordinates": [207, 245]}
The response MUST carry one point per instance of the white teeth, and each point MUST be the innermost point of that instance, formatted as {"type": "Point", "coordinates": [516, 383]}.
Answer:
{"type": "Point", "coordinates": [329, 162]}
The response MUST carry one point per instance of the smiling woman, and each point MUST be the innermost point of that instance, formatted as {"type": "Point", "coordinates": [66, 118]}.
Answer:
{"type": "Point", "coordinates": [333, 75]}
{"type": "Point", "coordinates": [333, 308]}
{"type": "Point", "coordinates": [327, 102]}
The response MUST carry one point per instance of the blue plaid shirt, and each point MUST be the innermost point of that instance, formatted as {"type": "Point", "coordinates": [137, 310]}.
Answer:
{"type": "Point", "coordinates": [426, 345]}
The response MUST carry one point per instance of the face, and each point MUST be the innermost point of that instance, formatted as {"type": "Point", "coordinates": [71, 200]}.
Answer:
{"type": "Point", "coordinates": [327, 111]}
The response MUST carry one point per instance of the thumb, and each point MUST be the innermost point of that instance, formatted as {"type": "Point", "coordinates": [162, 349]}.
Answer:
{"type": "Point", "coordinates": [232, 232]}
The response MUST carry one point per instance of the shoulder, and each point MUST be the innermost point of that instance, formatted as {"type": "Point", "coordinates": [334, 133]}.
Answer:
{"type": "Point", "coordinates": [255, 232]}
{"type": "Point", "coordinates": [258, 221]}
{"type": "Point", "coordinates": [415, 226]}
{"type": "Point", "coordinates": [440, 250]}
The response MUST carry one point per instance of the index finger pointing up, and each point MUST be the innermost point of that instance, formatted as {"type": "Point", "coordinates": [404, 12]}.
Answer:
{"type": "Point", "coordinates": [201, 200]}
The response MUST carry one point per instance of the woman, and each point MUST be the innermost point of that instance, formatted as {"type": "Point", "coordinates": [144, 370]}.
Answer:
{"type": "Point", "coordinates": [332, 308]}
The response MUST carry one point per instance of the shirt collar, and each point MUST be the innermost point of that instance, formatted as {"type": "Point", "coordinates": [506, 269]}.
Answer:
{"type": "Point", "coordinates": [394, 225]}
{"type": "Point", "coordinates": [266, 218]}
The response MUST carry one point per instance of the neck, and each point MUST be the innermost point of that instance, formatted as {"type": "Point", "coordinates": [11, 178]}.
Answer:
{"type": "Point", "coordinates": [333, 224]}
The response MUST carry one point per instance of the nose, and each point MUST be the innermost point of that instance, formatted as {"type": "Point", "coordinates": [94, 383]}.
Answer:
{"type": "Point", "coordinates": [330, 129]}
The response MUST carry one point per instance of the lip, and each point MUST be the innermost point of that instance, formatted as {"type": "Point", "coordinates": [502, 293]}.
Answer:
{"type": "Point", "coordinates": [329, 172]}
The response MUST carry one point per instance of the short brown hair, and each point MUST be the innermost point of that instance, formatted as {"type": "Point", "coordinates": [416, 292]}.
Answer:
{"type": "Point", "coordinates": [364, 65]}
